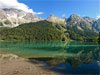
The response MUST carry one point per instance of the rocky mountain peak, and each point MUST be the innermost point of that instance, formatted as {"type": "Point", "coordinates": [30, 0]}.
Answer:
{"type": "Point", "coordinates": [78, 21]}
{"type": "Point", "coordinates": [89, 20]}
{"type": "Point", "coordinates": [12, 12]}
{"type": "Point", "coordinates": [14, 17]}
{"type": "Point", "coordinates": [98, 20]}
{"type": "Point", "coordinates": [2, 14]}
{"type": "Point", "coordinates": [55, 19]}
{"type": "Point", "coordinates": [52, 15]}
{"type": "Point", "coordinates": [75, 17]}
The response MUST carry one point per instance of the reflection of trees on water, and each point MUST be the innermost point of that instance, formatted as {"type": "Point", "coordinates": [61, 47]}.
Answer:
{"type": "Point", "coordinates": [83, 56]}
{"type": "Point", "coordinates": [74, 53]}
{"type": "Point", "coordinates": [38, 44]}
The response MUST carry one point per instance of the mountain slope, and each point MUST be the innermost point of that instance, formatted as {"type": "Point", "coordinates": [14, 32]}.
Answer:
{"type": "Point", "coordinates": [77, 34]}
{"type": "Point", "coordinates": [53, 28]}
{"type": "Point", "coordinates": [55, 19]}
{"type": "Point", "coordinates": [96, 25]}
{"type": "Point", "coordinates": [90, 20]}
{"type": "Point", "coordinates": [81, 28]}
{"type": "Point", "coordinates": [14, 17]}
{"type": "Point", "coordinates": [76, 20]}
{"type": "Point", "coordinates": [3, 17]}
{"type": "Point", "coordinates": [46, 31]}
{"type": "Point", "coordinates": [38, 31]}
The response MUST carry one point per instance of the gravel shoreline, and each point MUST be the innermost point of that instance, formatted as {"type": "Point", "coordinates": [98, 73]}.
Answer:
{"type": "Point", "coordinates": [13, 65]}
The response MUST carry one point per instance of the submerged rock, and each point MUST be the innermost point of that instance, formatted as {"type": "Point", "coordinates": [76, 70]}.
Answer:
{"type": "Point", "coordinates": [8, 56]}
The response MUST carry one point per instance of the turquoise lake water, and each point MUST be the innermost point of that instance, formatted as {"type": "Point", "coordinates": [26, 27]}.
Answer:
{"type": "Point", "coordinates": [74, 57]}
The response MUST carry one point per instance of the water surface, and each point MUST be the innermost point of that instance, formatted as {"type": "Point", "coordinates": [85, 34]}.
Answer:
{"type": "Point", "coordinates": [64, 57]}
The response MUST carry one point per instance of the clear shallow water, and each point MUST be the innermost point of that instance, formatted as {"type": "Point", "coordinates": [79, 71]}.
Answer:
{"type": "Point", "coordinates": [64, 57]}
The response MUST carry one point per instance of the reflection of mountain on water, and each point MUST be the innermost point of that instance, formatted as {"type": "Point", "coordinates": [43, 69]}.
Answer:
{"type": "Point", "coordinates": [74, 52]}
{"type": "Point", "coordinates": [85, 55]}
{"type": "Point", "coordinates": [82, 57]}
{"type": "Point", "coordinates": [59, 56]}
{"type": "Point", "coordinates": [74, 55]}
{"type": "Point", "coordinates": [83, 60]}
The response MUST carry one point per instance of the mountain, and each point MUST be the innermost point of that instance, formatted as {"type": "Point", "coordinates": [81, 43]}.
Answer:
{"type": "Point", "coordinates": [55, 19]}
{"type": "Point", "coordinates": [96, 25]}
{"type": "Point", "coordinates": [90, 20]}
{"type": "Point", "coordinates": [37, 31]}
{"type": "Point", "coordinates": [14, 17]}
{"type": "Point", "coordinates": [75, 20]}
{"type": "Point", "coordinates": [98, 20]}
{"type": "Point", "coordinates": [84, 23]}
{"type": "Point", "coordinates": [3, 17]}
{"type": "Point", "coordinates": [46, 31]}
{"type": "Point", "coordinates": [82, 28]}
{"type": "Point", "coordinates": [26, 26]}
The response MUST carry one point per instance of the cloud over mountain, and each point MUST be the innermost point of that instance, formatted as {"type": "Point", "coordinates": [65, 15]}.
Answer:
{"type": "Point", "coordinates": [17, 5]}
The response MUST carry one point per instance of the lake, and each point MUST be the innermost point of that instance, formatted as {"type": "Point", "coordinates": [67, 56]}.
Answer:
{"type": "Point", "coordinates": [74, 57]}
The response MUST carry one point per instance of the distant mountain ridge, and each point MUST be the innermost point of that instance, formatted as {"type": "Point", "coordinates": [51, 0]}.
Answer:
{"type": "Point", "coordinates": [84, 22]}
{"type": "Point", "coordinates": [15, 17]}
{"type": "Point", "coordinates": [78, 21]}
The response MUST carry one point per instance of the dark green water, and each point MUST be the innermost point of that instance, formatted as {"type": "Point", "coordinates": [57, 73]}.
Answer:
{"type": "Point", "coordinates": [64, 57]}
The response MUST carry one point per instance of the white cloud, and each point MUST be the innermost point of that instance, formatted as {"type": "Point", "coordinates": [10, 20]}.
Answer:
{"type": "Point", "coordinates": [17, 5]}
{"type": "Point", "coordinates": [63, 15]}
{"type": "Point", "coordinates": [98, 16]}
{"type": "Point", "coordinates": [39, 13]}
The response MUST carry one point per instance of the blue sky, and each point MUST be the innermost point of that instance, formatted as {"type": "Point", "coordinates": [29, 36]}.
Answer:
{"type": "Point", "coordinates": [64, 8]}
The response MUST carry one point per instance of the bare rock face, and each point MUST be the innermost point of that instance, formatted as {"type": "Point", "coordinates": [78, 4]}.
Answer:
{"type": "Point", "coordinates": [14, 17]}
{"type": "Point", "coordinates": [78, 21]}
{"type": "Point", "coordinates": [55, 19]}
{"type": "Point", "coordinates": [32, 18]}
{"type": "Point", "coordinates": [2, 15]}
{"type": "Point", "coordinates": [98, 20]}
{"type": "Point", "coordinates": [90, 20]}
{"type": "Point", "coordinates": [96, 25]}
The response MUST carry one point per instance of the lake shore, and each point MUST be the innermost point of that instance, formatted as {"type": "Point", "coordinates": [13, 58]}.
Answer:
{"type": "Point", "coordinates": [13, 65]}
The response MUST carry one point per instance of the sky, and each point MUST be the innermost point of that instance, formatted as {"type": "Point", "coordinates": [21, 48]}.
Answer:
{"type": "Point", "coordinates": [60, 8]}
